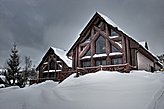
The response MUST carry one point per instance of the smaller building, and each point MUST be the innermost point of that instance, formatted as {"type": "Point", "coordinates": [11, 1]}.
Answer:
{"type": "Point", "coordinates": [53, 65]}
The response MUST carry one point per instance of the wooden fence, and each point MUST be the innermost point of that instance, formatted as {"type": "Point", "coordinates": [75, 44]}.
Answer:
{"type": "Point", "coordinates": [82, 71]}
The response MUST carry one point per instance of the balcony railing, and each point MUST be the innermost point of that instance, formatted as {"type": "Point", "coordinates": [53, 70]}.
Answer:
{"type": "Point", "coordinates": [120, 67]}
{"type": "Point", "coordinates": [61, 75]}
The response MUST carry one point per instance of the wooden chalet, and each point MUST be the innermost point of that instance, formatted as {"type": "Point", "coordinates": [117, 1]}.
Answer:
{"type": "Point", "coordinates": [103, 45]}
{"type": "Point", "coordinates": [54, 65]}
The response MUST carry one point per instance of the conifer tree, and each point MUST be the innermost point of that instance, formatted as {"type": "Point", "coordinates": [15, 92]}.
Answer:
{"type": "Point", "coordinates": [13, 74]}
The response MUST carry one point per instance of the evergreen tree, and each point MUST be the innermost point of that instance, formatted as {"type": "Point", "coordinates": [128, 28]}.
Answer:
{"type": "Point", "coordinates": [13, 75]}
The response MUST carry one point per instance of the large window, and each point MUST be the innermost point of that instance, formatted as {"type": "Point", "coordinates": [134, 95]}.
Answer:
{"type": "Point", "coordinates": [100, 62]}
{"type": "Point", "coordinates": [100, 45]}
{"type": "Point", "coordinates": [116, 61]}
{"type": "Point", "coordinates": [85, 63]}
{"type": "Point", "coordinates": [114, 49]}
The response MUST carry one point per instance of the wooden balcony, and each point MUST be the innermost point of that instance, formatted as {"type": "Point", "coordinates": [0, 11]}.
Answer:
{"type": "Point", "coordinates": [120, 67]}
{"type": "Point", "coordinates": [61, 75]}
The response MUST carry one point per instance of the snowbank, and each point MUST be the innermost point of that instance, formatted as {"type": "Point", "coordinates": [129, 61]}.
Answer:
{"type": "Point", "coordinates": [100, 90]}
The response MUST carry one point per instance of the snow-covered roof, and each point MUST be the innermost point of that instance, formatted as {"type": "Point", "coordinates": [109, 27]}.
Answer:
{"type": "Point", "coordinates": [142, 43]}
{"type": "Point", "coordinates": [62, 54]}
{"type": "Point", "coordinates": [110, 22]}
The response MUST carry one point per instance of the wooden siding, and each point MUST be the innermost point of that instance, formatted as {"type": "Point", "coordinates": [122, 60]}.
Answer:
{"type": "Point", "coordinates": [50, 66]}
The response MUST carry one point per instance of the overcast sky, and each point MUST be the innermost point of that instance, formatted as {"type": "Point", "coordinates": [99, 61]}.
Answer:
{"type": "Point", "coordinates": [35, 25]}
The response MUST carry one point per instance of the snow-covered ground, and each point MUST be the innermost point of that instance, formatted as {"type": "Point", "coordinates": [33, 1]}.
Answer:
{"type": "Point", "coordinates": [100, 90]}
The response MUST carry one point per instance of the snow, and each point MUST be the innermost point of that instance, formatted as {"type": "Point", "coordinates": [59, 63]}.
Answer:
{"type": "Point", "coordinates": [118, 44]}
{"type": "Point", "coordinates": [3, 78]}
{"type": "Point", "coordinates": [100, 90]}
{"type": "Point", "coordinates": [86, 57]}
{"type": "Point", "coordinates": [115, 53]}
{"type": "Point", "coordinates": [110, 22]}
{"type": "Point", "coordinates": [51, 71]}
{"type": "Point", "coordinates": [45, 63]}
{"type": "Point", "coordinates": [99, 55]}
{"type": "Point", "coordinates": [112, 37]}
{"type": "Point", "coordinates": [62, 54]}
{"type": "Point", "coordinates": [143, 45]}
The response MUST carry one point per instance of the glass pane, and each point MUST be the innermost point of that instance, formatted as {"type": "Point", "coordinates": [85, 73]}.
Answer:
{"type": "Point", "coordinates": [51, 75]}
{"type": "Point", "coordinates": [86, 63]}
{"type": "Point", "coordinates": [52, 65]}
{"type": "Point", "coordinates": [100, 62]}
{"type": "Point", "coordinates": [113, 33]}
{"type": "Point", "coordinates": [100, 45]}
{"type": "Point", "coordinates": [88, 38]}
{"type": "Point", "coordinates": [116, 61]}
{"type": "Point", "coordinates": [114, 49]}
{"type": "Point", "coordinates": [88, 53]}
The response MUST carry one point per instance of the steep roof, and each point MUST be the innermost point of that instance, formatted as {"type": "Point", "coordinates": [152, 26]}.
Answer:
{"type": "Point", "coordinates": [110, 22]}
{"type": "Point", "coordinates": [61, 54]}
{"type": "Point", "coordinates": [106, 19]}
{"type": "Point", "coordinates": [143, 43]}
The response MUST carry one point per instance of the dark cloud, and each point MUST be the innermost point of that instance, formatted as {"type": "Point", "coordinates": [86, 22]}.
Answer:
{"type": "Point", "coordinates": [37, 24]}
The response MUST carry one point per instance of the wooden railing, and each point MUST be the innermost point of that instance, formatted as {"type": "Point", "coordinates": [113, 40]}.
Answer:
{"type": "Point", "coordinates": [120, 67]}
{"type": "Point", "coordinates": [60, 76]}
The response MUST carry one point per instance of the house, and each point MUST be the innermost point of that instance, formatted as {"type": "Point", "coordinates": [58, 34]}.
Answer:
{"type": "Point", "coordinates": [53, 65]}
{"type": "Point", "coordinates": [104, 45]}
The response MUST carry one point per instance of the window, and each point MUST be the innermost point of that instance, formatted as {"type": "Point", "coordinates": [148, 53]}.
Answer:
{"type": "Point", "coordinates": [114, 49]}
{"type": "Point", "coordinates": [88, 38]}
{"type": "Point", "coordinates": [116, 61]}
{"type": "Point", "coordinates": [113, 33]}
{"type": "Point", "coordinates": [88, 53]}
{"type": "Point", "coordinates": [52, 65]}
{"type": "Point", "coordinates": [100, 45]}
{"type": "Point", "coordinates": [100, 62]}
{"type": "Point", "coordinates": [51, 75]}
{"type": "Point", "coordinates": [99, 23]}
{"type": "Point", "coordinates": [45, 75]}
{"type": "Point", "coordinates": [86, 63]}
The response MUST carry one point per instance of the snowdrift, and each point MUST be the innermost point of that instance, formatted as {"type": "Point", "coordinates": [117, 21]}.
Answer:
{"type": "Point", "coordinates": [100, 90]}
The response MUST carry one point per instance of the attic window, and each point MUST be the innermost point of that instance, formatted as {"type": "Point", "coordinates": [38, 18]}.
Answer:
{"type": "Point", "coordinates": [87, 38]}
{"type": "Point", "coordinates": [113, 33]}
{"type": "Point", "coordinates": [52, 65]}
{"type": "Point", "coordinates": [99, 23]}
